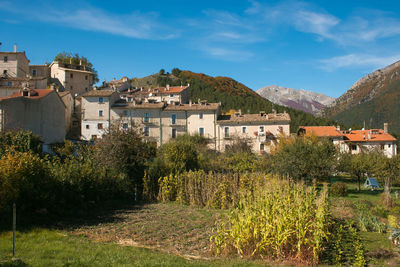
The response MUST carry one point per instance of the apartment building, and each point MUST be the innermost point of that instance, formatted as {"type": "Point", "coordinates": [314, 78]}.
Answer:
{"type": "Point", "coordinates": [70, 77]}
{"type": "Point", "coordinates": [356, 141]}
{"type": "Point", "coordinates": [160, 122]}
{"type": "Point", "coordinates": [40, 111]}
{"type": "Point", "coordinates": [260, 130]}
{"type": "Point", "coordinates": [168, 94]}
{"type": "Point", "coordinates": [14, 64]}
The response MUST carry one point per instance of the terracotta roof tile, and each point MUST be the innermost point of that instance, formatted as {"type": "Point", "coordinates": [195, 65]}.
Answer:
{"type": "Point", "coordinates": [376, 135]}
{"type": "Point", "coordinates": [322, 131]}
{"type": "Point", "coordinates": [35, 94]}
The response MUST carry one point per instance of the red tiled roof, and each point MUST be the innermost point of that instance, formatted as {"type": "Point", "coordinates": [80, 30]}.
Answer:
{"type": "Point", "coordinates": [35, 94]}
{"type": "Point", "coordinates": [377, 135]}
{"type": "Point", "coordinates": [322, 131]}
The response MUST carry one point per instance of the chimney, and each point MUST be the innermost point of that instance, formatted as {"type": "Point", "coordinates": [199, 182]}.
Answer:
{"type": "Point", "coordinates": [190, 102]}
{"type": "Point", "coordinates": [15, 48]}
{"type": "Point", "coordinates": [80, 62]}
{"type": "Point", "coordinates": [369, 134]}
{"type": "Point", "coordinates": [338, 128]}
{"type": "Point", "coordinates": [70, 60]}
{"type": "Point", "coordinates": [386, 127]}
{"type": "Point", "coordinates": [167, 87]}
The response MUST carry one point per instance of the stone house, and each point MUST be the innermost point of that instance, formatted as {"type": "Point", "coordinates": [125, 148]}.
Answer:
{"type": "Point", "coordinates": [40, 111]}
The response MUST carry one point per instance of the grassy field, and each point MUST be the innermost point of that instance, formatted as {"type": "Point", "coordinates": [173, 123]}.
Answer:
{"type": "Point", "coordinates": [159, 234]}
{"type": "Point", "coordinates": [43, 247]}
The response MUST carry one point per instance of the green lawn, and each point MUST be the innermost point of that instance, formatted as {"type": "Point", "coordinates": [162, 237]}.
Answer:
{"type": "Point", "coordinates": [43, 247]}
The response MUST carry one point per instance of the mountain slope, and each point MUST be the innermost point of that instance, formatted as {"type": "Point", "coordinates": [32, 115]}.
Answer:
{"type": "Point", "coordinates": [374, 99]}
{"type": "Point", "coordinates": [306, 101]}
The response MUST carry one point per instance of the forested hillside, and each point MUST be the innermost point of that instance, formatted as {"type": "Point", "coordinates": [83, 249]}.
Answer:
{"type": "Point", "coordinates": [231, 94]}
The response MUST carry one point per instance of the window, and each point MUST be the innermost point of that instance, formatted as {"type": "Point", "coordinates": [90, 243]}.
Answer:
{"type": "Point", "coordinates": [173, 133]}
{"type": "Point", "coordinates": [5, 59]}
{"type": "Point", "coordinates": [125, 113]}
{"type": "Point", "coordinates": [71, 88]}
{"type": "Point", "coordinates": [382, 147]}
{"type": "Point", "coordinates": [201, 116]}
{"type": "Point", "coordinates": [86, 89]}
{"type": "Point", "coordinates": [4, 72]}
{"type": "Point", "coordinates": [171, 95]}
{"type": "Point", "coordinates": [101, 100]}
{"type": "Point", "coordinates": [146, 117]}
{"type": "Point", "coordinates": [226, 132]}
{"type": "Point", "coordinates": [33, 72]}
{"type": "Point", "coordinates": [94, 137]}
{"type": "Point", "coordinates": [87, 126]}
{"type": "Point", "coordinates": [100, 126]}
{"type": "Point", "coordinates": [389, 145]}
{"type": "Point", "coordinates": [201, 131]}
{"type": "Point", "coordinates": [261, 129]}
{"type": "Point", "coordinates": [171, 102]}
{"type": "Point", "coordinates": [173, 119]}
{"type": "Point", "coordinates": [125, 126]}
{"type": "Point", "coordinates": [86, 77]}
{"type": "Point", "coordinates": [146, 131]}
{"type": "Point", "coordinates": [244, 129]}
{"type": "Point", "coordinates": [100, 113]}
{"type": "Point", "coordinates": [9, 83]}
{"type": "Point", "coordinates": [71, 75]}
{"type": "Point", "coordinates": [353, 147]}
{"type": "Point", "coordinates": [261, 147]}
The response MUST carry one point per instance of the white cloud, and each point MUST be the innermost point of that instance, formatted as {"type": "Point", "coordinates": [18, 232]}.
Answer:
{"type": "Point", "coordinates": [357, 60]}
{"type": "Point", "coordinates": [89, 18]}
{"type": "Point", "coordinates": [313, 22]}
{"type": "Point", "coordinates": [227, 54]}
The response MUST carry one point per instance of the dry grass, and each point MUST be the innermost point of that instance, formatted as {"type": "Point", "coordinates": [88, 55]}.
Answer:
{"type": "Point", "coordinates": [168, 227]}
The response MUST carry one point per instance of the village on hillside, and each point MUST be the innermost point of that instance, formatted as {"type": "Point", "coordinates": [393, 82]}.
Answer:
{"type": "Point", "coordinates": [59, 101]}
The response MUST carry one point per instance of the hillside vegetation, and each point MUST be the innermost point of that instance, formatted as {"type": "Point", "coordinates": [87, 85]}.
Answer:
{"type": "Point", "coordinates": [231, 94]}
{"type": "Point", "coordinates": [374, 99]}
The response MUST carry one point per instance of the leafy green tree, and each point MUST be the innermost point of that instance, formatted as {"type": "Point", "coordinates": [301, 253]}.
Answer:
{"type": "Point", "coordinates": [161, 72]}
{"type": "Point", "coordinates": [388, 170]}
{"type": "Point", "coordinates": [357, 165]}
{"type": "Point", "coordinates": [127, 152]}
{"type": "Point", "coordinates": [304, 158]}
{"type": "Point", "coordinates": [75, 59]}
{"type": "Point", "coordinates": [175, 72]}
{"type": "Point", "coordinates": [22, 141]}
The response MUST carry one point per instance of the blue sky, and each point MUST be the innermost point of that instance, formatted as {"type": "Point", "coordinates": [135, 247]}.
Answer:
{"type": "Point", "coordinates": [322, 46]}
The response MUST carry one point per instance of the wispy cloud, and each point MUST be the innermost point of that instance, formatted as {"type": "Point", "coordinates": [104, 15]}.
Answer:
{"type": "Point", "coordinates": [227, 54]}
{"type": "Point", "coordinates": [134, 25]}
{"type": "Point", "coordinates": [356, 61]}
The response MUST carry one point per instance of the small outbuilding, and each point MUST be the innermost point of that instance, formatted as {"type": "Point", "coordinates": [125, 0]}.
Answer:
{"type": "Point", "coordinates": [371, 183]}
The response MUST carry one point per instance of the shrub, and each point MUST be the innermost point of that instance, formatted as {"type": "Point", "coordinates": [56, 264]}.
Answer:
{"type": "Point", "coordinates": [339, 189]}
{"type": "Point", "coordinates": [279, 220]}
{"type": "Point", "coordinates": [367, 222]}
{"type": "Point", "coordinates": [24, 180]}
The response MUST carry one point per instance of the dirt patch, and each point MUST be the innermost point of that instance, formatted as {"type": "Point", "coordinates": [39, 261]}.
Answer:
{"type": "Point", "coordinates": [177, 229]}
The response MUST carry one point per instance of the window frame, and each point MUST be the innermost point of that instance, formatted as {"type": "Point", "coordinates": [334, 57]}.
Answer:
{"type": "Point", "coordinates": [201, 131]}
{"type": "Point", "coordinates": [146, 131]}
{"type": "Point", "coordinates": [173, 119]}
{"type": "Point", "coordinates": [101, 113]}
{"type": "Point", "coordinates": [101, 100]}
{"type": "Point", "coordinates": [244, 129]}
{"type": "Point", "coordinates": [146, 117]}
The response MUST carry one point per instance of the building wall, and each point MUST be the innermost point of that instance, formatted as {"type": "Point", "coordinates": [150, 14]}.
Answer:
{"type": "Point", "coordinates": [17, 64]}
{"type": "Point", "coordinates": [79, 83]}
{"type": "Point", "coordinates": [7, 91]}
{"type": "Point", "coordinates": [44, 116]}
{"type": "Point", "coordinates": [68, 101]}
{"type": "Point", "coordinates": [253, 134]}
{"type": "Point", "coordinates": [389, 148]}
{"type": "Point", "coordinates": [39, 71]}
{"type": "Point", "coordinates": [90, 129]}
{"type": "Point", "coordinates": [167, 126]}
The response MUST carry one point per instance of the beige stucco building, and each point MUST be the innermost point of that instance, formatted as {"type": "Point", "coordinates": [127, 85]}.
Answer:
{"type": "Point", "coordinates": [74, 78]}
{"type": "Point", "coordinates": [39, 111]}
{"type": "Point", "coordinates": [260, 130]}
{"type": "Point", "coordinates": [356, 141]}
{"type": "Point", "coordinates": [14, 64]}
{"type": "Point", "coordinates": [160, 122]}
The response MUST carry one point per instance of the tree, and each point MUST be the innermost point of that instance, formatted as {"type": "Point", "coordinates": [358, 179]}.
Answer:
{"type": "Point", "coordinates": [126, 151]}
{"type": "Point", "coordinates": [357, 165]}
{"type": "Point", "coordinates": [22, 141]}
{"type": "Point", "coordinates": [388, 170]}
{"type": "Point", "coordinates": [175, 72]}
{"type": "Point", "coordinates": [75, 59]}
{"type": "Point", "coordinates": [161, 72]}
{"type": "Point", "coordinates": [304, 158]}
